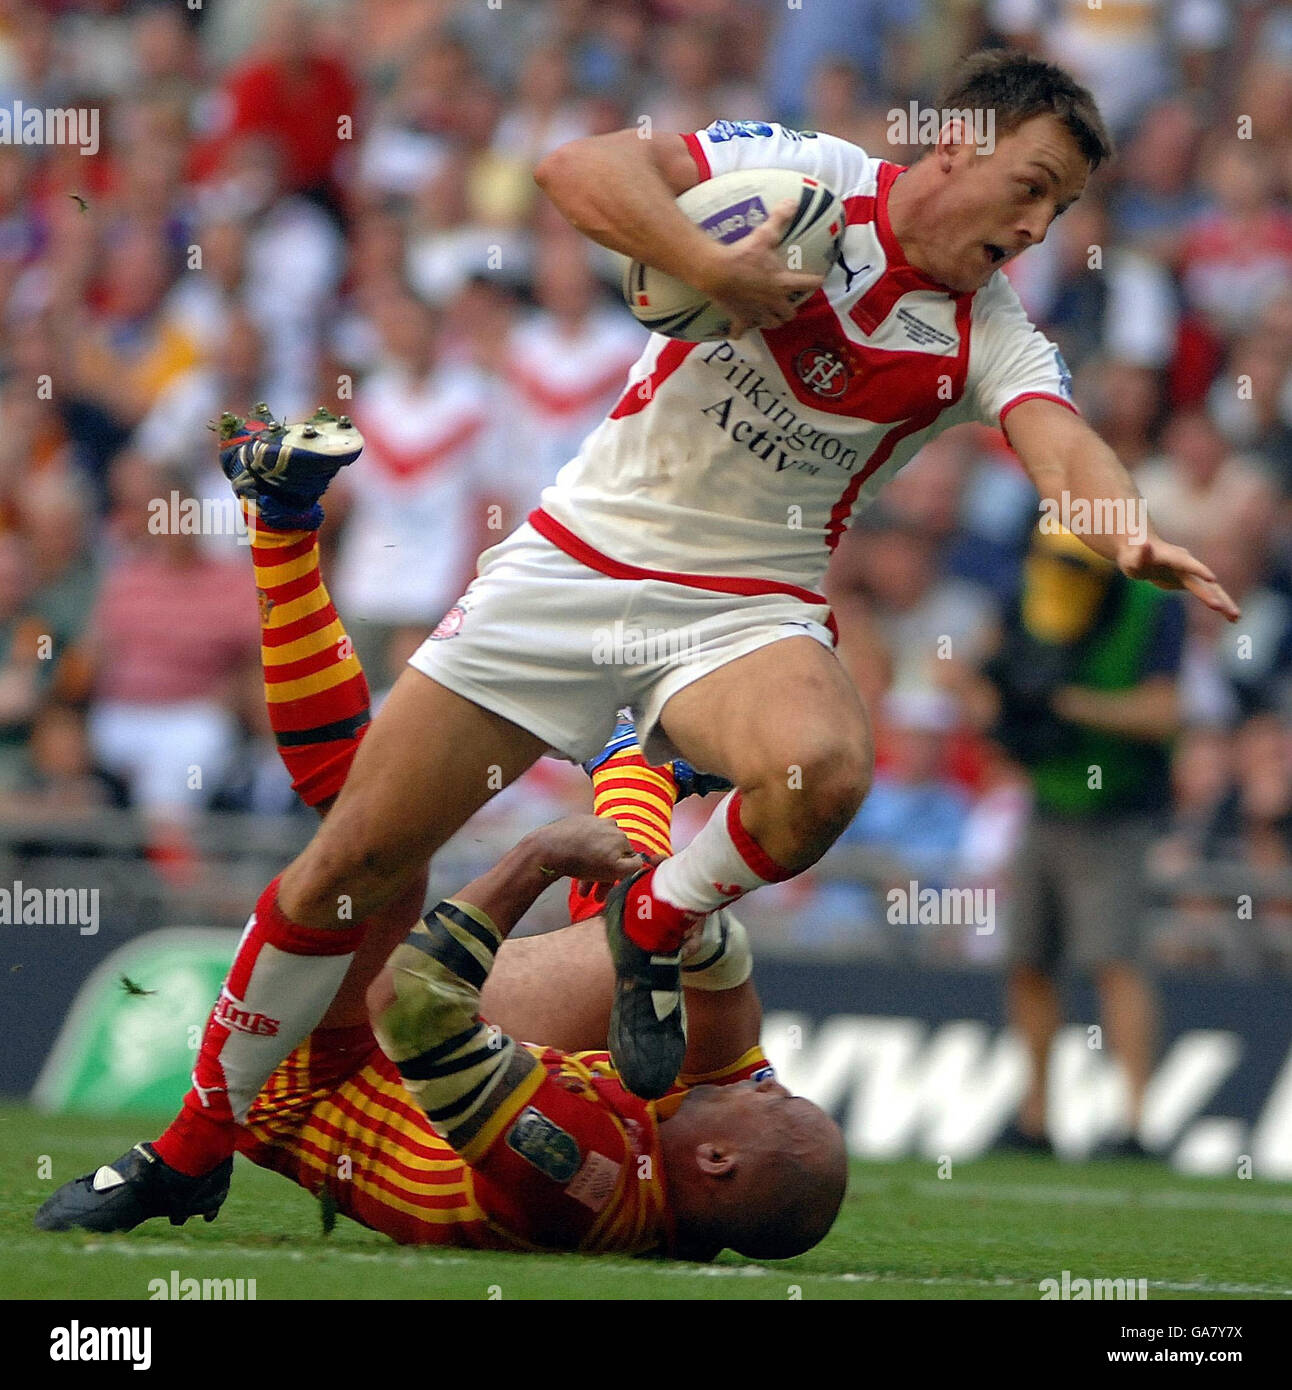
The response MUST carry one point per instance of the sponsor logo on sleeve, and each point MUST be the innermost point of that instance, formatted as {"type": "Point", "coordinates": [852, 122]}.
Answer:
{"type": "Point", "coordinates": [547, 1146]}
{"type": "Point", "coordinates": [721, 131]}
{"type": "Point", "coordinates": [231, 1013]}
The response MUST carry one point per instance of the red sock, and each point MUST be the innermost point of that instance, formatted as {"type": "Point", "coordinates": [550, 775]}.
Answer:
{"type": "Point", "coordinates": [281, 982]}
{"type": "Point", "coordinates": [722, 863]}
{"type": "Point", "coordinates": [656, 925]}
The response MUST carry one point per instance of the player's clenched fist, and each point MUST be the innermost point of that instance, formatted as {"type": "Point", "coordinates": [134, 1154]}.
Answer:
{"type": "Point", "coordinates": [589, 848]}
{"type": "Point", "coordinates": [749, 278]}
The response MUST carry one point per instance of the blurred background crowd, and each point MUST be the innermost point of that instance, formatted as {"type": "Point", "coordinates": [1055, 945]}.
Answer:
{"type": "Point", "coordinates": [332, 202]}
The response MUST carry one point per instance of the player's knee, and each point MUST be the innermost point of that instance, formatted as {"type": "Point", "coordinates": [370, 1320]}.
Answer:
{"type": "Point", "coordinates": [834, 779]}
{"type": "Point", "coordinates": [811, 797]}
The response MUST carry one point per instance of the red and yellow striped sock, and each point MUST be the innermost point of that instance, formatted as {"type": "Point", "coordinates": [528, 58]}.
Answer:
{"type": "Point", "coordinates": [639, 798]}
{"type": "Point", "coordinates": [315, 688]}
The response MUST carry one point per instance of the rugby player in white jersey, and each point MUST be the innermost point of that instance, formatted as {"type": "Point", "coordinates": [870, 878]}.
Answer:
{"type": "Point", "coordinates": [704, 508]}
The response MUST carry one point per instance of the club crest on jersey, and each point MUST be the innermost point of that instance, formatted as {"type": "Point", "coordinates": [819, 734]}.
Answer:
{"type": "Point", "coordinates": [546, 1145]}
{"type": "Point", "coordinates": [450, 624]}
{"type": "Point", "coordinates": [823, 372]}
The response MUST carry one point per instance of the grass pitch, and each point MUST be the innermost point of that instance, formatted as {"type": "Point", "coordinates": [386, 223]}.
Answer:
{"type": "Point", "coordinates": [993, 1230]}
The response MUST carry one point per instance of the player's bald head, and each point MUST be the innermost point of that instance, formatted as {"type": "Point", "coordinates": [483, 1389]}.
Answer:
{"type": "Point", "coordinates": [753, 1168]}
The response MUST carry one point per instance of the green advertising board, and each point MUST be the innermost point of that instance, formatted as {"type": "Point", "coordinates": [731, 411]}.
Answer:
{"type": "Point", "coordinates": [131, 1036]}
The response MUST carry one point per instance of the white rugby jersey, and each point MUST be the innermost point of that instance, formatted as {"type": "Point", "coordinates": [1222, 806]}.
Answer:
{"type": "Point", "coordinates": [746, 461]}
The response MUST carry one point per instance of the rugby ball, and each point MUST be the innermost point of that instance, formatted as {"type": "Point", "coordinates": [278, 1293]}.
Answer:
{"type": "Point", "coordinates": [729, 207]}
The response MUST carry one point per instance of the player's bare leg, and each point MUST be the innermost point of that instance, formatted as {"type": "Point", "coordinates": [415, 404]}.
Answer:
{"type": "Point", "coordinates": [556, 989]}
{"type": "Point", "coordinates": [411, 1000]}
{"type": "Point", "coordinates": [429, 762]}
{"type": "Point", "coordinates": [786, 727]}
{"type": "Point", "coordinates": [553, 989]}
{"type": "Point", "coordinates": [387, 928]}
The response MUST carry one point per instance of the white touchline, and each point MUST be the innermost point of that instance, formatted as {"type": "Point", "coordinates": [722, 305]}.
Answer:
{"type": "Point", "coordinates": [790, 1276]}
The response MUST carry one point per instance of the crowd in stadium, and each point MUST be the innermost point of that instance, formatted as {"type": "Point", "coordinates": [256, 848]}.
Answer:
{"type": "Point", "coordinates": [332, 203]}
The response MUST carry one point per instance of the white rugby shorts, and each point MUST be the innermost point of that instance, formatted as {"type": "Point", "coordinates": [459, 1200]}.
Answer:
{"type": "Point", "coordinates": [558, 647]}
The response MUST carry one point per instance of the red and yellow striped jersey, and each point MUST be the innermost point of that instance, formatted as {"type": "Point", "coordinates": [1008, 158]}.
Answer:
{"type": "Point", "coordinates": [571, 1160]}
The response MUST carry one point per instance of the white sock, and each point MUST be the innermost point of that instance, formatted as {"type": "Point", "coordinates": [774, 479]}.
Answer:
{"type": "Point", "coordinates": [721, 864]}
{"type": "Point", "coordinates": [297, 989]}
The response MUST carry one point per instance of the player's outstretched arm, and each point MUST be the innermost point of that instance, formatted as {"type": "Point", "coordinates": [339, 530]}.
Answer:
{"type": "Point", "coordinates": [585, 848]}
{"type": "Point", "coordinates": [620, 190]}
{"type": "Point", "coordinates": [1062, 454]}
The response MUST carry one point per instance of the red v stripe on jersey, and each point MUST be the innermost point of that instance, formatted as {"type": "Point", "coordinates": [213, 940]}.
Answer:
{"type": "Point", "coordinates": [959, 372]}
{"type": "Point", "coordinates": [859, 209]}
{"type": "Point", "coordinates": [877, 303]}
{"type": "Point", "coordinates": [896, 257]}
{"type": "Point", "coordinates": [886, 385]}
{"type": "Point", "coordinates": [640, 394]}
{"type": "Point", "coordinates": [881, 384]}
{"type": "Point", "coordinates": [405, 462]}
{"type": "Point", "coordinates": [900, 276]}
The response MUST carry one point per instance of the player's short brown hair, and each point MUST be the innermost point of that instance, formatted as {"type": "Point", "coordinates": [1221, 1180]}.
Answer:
{"type": "Point", "coordinates": [1018, 87]}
